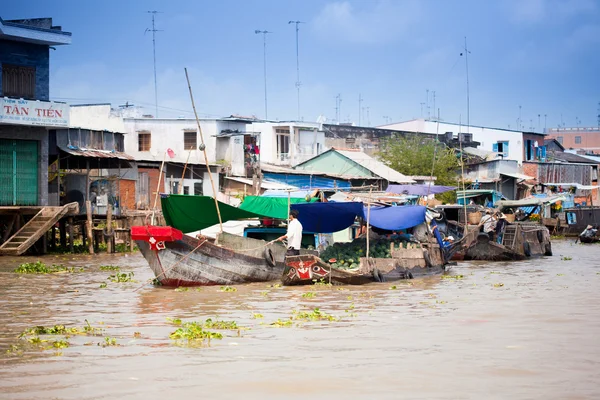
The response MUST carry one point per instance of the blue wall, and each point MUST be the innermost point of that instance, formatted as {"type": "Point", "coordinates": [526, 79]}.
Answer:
{"type": "Point", "coordinates": [28, 55]}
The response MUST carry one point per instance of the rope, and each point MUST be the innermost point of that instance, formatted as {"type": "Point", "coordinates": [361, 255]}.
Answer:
{"type": "Point", "coordinates": [255, 248]}
{"type": "Point", "coordinates": [172, 266]}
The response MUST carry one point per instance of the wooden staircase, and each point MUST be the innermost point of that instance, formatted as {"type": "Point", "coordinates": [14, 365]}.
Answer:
{"type": "Point", "coordinates": [37, 226]}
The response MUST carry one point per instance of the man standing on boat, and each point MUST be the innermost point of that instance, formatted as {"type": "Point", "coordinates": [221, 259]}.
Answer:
{"type": "Point", "coordinates": [293, 235]}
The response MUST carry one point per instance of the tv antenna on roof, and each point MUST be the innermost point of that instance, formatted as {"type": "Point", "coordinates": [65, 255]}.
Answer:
{"type": "Point", "coordinates": [154, 30]}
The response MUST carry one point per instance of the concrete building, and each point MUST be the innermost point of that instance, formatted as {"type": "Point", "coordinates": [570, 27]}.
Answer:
{"type": "Point", "coordinates": [577, 138]}
{"type": "Point", "coordinates": [288, 143]}
{"type": "Point", "coordinates": [511, 145]}
{"type": "Point", "coordinates": [25, 110]}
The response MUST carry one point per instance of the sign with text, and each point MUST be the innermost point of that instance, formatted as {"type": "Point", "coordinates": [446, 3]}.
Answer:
{"type": "Point", "coordinates": [38, 113]}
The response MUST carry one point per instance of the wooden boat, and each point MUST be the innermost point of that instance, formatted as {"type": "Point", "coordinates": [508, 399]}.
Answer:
{"type": "Point", "coordinates": [520, 241]}
{"type": "Point", "coordinates": [404, 264]}
{"type": "Point", "coordinates": [588, 239]}
{"type": "Point", "coordinates": [182, 260]}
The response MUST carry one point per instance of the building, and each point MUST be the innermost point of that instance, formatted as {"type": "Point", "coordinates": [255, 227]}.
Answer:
{"type": "Point", "coordinates": [510, 144]}
{"type": "Point", "coordinates": [368, 139]}
{"type": "Point", "coordinates": [288, 142]}
{"type": "Point", "coordinates": [577, 138]}
{"type": "Point", "coordinates": [88, 162]}
{"type": "Point", "coordinates": [502, 176]}
{"type": "Point", "coordinates": [26, 112]}
{"type": "Point", "coordinates": [353, 163]}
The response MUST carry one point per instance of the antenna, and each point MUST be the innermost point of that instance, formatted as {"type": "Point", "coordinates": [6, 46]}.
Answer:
{"type": "Point", "coordinates": [360, 103]}
{"type": "Point", "coordinates": [154, 30]}
{"type": "Point", "coordinates": [466, 54]}
{"type": "Point", "coordinates": [599, 115]}
{"type": "Point", "coordinates": [264, 33]}
{"type": "Point", "coordinates": [298, 83]}
{"type": "Point", "coordinates": [337, 115]}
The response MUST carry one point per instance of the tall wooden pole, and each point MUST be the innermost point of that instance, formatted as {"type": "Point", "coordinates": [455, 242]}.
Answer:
{"type": "Point", "coordinates": [368, 220]}
{"type": "Point", "coordinates": [158, 187]}
{"type": "Point", "coordinates": [88, 225]}
{"type": "Point", "coordinates": [183, 173]}
{"type": "Point", "coordinates": [212, 183]}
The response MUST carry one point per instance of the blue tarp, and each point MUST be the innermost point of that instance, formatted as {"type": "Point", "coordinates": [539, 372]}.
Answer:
{"type": "Point", "coordinates": [396, 218]}
{"type": "Point", "coordinates": [418, 190]}
{"type": "Point", "coordinates": [328, 217]}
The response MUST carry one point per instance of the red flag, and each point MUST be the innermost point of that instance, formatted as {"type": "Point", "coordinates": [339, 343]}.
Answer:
{"type": "Point", "coordinates": [171, 153]}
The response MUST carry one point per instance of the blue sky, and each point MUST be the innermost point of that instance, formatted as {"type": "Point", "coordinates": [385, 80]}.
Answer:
{"type": "Point", "coordinates": [540, 54]}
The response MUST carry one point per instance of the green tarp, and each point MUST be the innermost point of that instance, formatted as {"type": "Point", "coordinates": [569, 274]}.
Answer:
{"type": "Point", "coordinates": [193, 213]}
{"type": "Point", "coordinates": [274, 207]}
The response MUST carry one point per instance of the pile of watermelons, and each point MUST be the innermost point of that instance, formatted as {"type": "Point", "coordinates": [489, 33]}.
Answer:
{"type": "Point", "coordinates": [347, 255]}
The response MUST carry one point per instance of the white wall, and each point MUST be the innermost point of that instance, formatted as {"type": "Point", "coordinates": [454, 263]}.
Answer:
{"type": "Point", "coordinates": [486, 136]}
{"type": "Point", "coordinates": [168, 133]}
{"type": "Point", "coordinates": [96, 117]}
{"type": "Point", "coordinates": [302, 140]}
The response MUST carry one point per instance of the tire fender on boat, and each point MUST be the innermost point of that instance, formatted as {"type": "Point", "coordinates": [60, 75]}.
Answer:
{"type": "Point", "coordinates": [377, 276]}
{"type": "Point", "coordinates": [269, 258]}
{"type": "Point", "coordinates": [540, 236]}
{"type": "Point", "coordinates": [526, 249]}
{"type": "Point", "coordinates": [427, 259]}
{"type": "Point", "coordinates": [548, 249]}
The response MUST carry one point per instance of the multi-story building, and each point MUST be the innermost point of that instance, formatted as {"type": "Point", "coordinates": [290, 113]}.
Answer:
{"type": "Point", "coordinates": [509, 144]}
{"type": "Point", "coordinates": [577, 138]}
{"type": "Point", "coordinates": [26, 113]}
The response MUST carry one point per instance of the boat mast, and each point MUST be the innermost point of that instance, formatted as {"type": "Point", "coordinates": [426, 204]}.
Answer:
{"type": "Point", "coordinates": [212, 182]}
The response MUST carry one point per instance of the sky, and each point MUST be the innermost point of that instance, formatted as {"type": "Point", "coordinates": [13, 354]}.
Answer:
{"type": "Point", "coordinates": [535, 58]}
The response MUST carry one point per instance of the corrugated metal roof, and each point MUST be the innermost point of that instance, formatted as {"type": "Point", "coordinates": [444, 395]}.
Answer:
{"type": "Point", "coordinates": [517, 175]}
{"type": "Point", "coordinates": [264, 184]}
{"type": "Point", "coordinates": [93, 153]}
{"type": "Point", "coordinates": [376, 167]}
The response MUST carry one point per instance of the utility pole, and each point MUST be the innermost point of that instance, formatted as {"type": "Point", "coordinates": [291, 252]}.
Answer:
{"type": "Point", "coordinates": [154, 30]}
{"type": "Point", "coordinates": [338, 108]}
{"type": "Point", "coordinates": [427, 103]}
{"type": "Point", "coordinates": [359, 107]}
{"type": "Point", "coordinates": [264, 33]}
{"type": "Point", "coordinates": [519, 120]}
{"type": "Point", "coordinates": [545, 119]}
{"type": "Point", "coordinates": [422, 104]}
{"type": "Point", "coordinates": [539, 123]}
{"type": "Point", "coordinates": [368, 118]}
{"type": "Point", "coordinates": [434, 105]}
{"type": "Point", "coordinates": [298, 84]}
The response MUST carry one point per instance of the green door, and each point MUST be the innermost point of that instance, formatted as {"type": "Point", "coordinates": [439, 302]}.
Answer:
{"type": "Point", "coordinates": [18, 172]}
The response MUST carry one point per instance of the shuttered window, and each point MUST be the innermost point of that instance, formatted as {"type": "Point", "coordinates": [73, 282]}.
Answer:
{"type": "Point", "coordinates": [18, 81]}
{"type": "Point", "coordinates": [190, 140]}
{"type": "Point", "coordinates": [144, 141]}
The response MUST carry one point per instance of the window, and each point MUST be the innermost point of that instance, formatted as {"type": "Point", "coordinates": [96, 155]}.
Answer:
{"type": "Point", "coordinates": [190, 140]}
{"type": "Point", "coordinates": [18, 81]}
{"type": "Point", "coordinates": [283, 144]}
{"type": "Point", "coordinates": [144, 141]}
{"type": "Point", "coordinates": [198, 189]}
{"type": "Point", "coordinates": [577, 139]}
{"type": "Point", "coordinates": [529, 150]}
{"type": "Point", "coordinates": [186, 190]}
{"type": "Point", "coordinates": [501, 147]}
{"type": "Point", "coordinates": [559, 139]}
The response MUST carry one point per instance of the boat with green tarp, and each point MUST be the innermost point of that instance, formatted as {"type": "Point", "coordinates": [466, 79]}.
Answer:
{"type": "Point", "coordinates": [180, 259]}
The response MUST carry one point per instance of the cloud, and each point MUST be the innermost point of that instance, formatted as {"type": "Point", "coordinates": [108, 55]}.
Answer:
{"type": "Point", "coordinates": [536, 11]}
{"type": "Point", "coordinates": [385, 21]}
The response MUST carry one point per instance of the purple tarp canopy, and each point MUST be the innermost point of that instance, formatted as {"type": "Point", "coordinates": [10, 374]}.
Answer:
{"type": "Point", "coordinates": [418, 190]}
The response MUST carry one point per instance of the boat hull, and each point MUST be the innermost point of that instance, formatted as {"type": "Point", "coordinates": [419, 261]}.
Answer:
{"type": "Point", "coordinates": [309, 269]}
{"type": "Point", "coordinates": [199, 262]}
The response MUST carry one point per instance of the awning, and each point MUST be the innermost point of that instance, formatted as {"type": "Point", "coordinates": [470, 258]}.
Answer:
{"type": "Point", "coordinates": [194, 213]}
{"type": "Point", "coordinates": [328, 217]}
{"type": "Point", "coordinates": [396, 218]}
{"type": "Point", "coordinates": [517, 176]}
{"type": "Point", "coordinates": [532, 201]}
{"type": "Point", "coordinates": [93, 153]}
{"type": "Point", "coordinates": [570, 185]}
{"type": "Point", "coordinates": [274, 207]}
{"type": "Point", "coordinates": [419, 190]}
{"type": "Point", "coordinates": [264, 184]}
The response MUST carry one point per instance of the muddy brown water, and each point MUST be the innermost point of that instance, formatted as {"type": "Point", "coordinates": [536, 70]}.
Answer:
{"type": "Point", "coordinates": [520, 330]}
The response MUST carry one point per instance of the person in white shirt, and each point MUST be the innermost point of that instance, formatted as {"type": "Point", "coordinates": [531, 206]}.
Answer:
{"type": "Point", "coordinates": [293, 235]}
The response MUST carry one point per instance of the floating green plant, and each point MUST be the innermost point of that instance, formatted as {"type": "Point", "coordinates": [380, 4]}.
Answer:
{"type": "Point", "coordinates": [321, 282]}
{"type": "Point", "coordinates": [314, 315]}
{"type": "Point", "coordinates": [566, 258]}
{"type": "Point", "coordinates": [109, 268]}
{"type": "Point", "coordinates": [39, 267]}
{"type": "Point", "coordinates": [108, 341]}
{"type": "Point", "coordinates": [309, 295]}
{"type": "Point", "coordinates": [182, 289]}
{"type": "Point", "coordinates": [193, 331]}
{"type": "Point", "coordinates": [228, 289]}
{"type": "Point", "coordinates": [121, 277]}
{"type": "Point", "coordinates": [500, 284]}
{"type": "Point", "coordinates": [103, 285]}
{"type": "Point", "coordinates": [453, 276]}
{"type": "Point", "coordinates": [282, 323]}
{"type": "Point", "coordinates": [257, 316]}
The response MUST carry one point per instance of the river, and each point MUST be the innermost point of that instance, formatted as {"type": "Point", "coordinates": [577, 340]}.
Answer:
{"type": "Point", "coordinates": [520, 330]}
